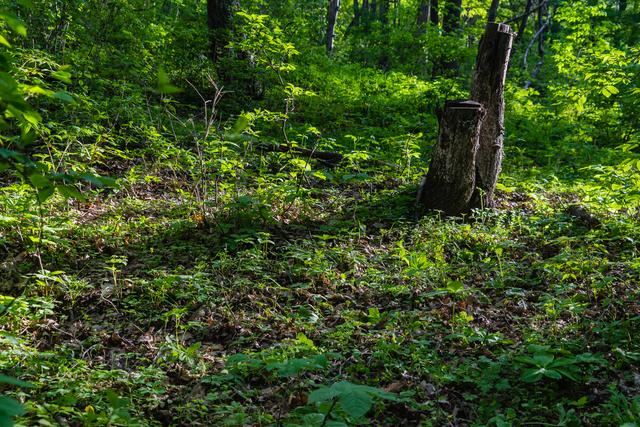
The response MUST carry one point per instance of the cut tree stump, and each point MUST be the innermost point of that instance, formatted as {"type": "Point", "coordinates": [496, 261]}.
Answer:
{"type": "Point", "coordinates": [451, 180]}
{"type": "Point", "coordinates": [488, 89]}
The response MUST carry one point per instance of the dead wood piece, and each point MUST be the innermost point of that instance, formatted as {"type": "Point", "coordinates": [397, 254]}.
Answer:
{"type": "Point", "coordinates": [492, 64]}
{"type": "Point", "coordinates": [583, 216]}
{"type": "Point", "coordinates": [450, 182]}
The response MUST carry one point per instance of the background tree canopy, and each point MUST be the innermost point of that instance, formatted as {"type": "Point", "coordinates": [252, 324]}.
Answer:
{"type": "Point", "coordinates": [207, 215]}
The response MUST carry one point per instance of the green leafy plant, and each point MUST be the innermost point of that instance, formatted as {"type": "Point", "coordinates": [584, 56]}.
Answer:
{"type": "Point", "coordinates": [342, 402]}
{"type": "Point", "coordinates": [10, 408]}
{"type": "Point", "coordinates": [547, 363]}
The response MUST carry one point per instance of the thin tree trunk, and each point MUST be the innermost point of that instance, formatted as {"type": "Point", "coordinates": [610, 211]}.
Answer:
{"type": "Point", "coordinates": [525, 20]}
{"type": "Point", "coordinates": [356, 13]}
{"type": "Point", "coordinates": [450, 182]}
{"type": "Point", "coordinates": [332, 18]}
{"type": "Point", "coordinates": [488, 89]}
{"type": "Point", "coordinates": [493, 11]}
{"type": "Point", "coordinates": [365, 12]}
{"type": "Point", "coordinates": [355, 21]}
{"type": "Point", "coordinates": [450, 25]}
{"type": "Point", "coordinates": [373, 10]}
{"type": "Point", "coordinates": [219, 23]}
{"type": "Point", "coordinates": [396, 11]}
{"type": "Point", "coordinates": [424, 11]}
{"type": "Point", "coordinates": [451, 17]}
{"type": "Point", "coordinates": [433, 16]}
{"type": "Point", "coordinates": [385, 7]}
{"type": "Point", "coordinates": [543, 22]}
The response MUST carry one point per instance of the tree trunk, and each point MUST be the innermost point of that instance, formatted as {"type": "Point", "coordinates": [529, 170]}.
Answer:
{"type": "Point", "coordinates": [365, 12]}
{"type": "Point", "coordinates": [385, 7]}
{"type": "Point", "coordinates": [424, 11]}
{"type": "Point", "coordinates": [543, 17]}
{"type": "Point", "coordinates": [450, 182]}
{"type": "Point", "coordinates": [488, 89]}
{"type": "Point", "coordinates": [523, 23]}
{"type": "Point", "coordinates": [451, 17]}
{"type": "Point", "coordinates": [219, 23]}
{"type": "Point", "coordinates": [332, 18]}
{"type": "Point", "coordinates": [356, 13]}
{"type": "Point", "coordinates": [493, 11]}
{"type": "Point", "coordinates": [434, 12]}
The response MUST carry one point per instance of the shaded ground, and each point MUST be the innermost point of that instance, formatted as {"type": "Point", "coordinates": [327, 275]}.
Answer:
{"type": "Point", "coordinates": [448, 314]}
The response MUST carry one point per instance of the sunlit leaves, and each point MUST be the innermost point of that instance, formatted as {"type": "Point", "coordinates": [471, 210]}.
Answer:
{"type": "Point", "coordinates": [354, 399]}
{"type": "Point", "coordinates": [164, 85]}
{"type": "Point", "coordinates": [15, 23]}
{"type": "Point", "coordinates": [609, 90]}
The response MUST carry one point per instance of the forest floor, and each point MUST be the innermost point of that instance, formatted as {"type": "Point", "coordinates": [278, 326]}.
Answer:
{"type": "Point", "coordinates": [274, 300]}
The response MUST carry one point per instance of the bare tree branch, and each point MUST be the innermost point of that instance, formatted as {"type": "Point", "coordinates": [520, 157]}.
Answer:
{"type": "Point", "coordinates": [543, 3]}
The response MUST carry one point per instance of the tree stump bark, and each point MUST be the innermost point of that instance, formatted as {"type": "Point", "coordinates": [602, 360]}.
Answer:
{"type": "Point", "coordinates": [451, 180]}
{"type": "Point", "coordinates": [488, 89]}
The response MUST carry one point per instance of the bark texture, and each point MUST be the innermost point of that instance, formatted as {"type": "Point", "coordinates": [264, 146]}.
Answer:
{"type": "Point", "coordinates": [543, 23]}
{"type": "Point", "coordinates": [385, 7]}
{"type": "Point", "coordinates": [488, 89]}
{"type": "Point", "coordinates": [450, 182]}
{"type": "Point", "coordinates": [219, 23]}
{"type": "Point", "coordinates": [493, 11]}
{"type": "Point", "coordinates": [525, 20]}
{"type": "Point", "coordinates": [434, 13]}
{"type": "Point", "coordinates": [332, 18]}
{"type": "Point", "coordinates": [356, 13]}
{"type": "Point", "coordinates": [424, 10]}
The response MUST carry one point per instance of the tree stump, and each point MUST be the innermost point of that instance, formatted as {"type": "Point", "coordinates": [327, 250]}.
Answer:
{"type": "Point", "coordinates": [488, 89]}
{"type": "Point", "coordinates": [451, 180]}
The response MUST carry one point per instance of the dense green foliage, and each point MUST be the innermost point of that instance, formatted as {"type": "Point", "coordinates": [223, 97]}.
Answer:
{"type": "Point", "coordinates": [168, 256]}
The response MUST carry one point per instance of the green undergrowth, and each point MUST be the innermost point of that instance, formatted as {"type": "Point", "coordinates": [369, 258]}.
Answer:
{"type": "Point", "coordinates": [225, 279]}
{"type": "Point", "coordinates": [258, 312]}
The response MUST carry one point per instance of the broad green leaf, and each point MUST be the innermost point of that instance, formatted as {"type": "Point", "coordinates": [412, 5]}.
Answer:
{"type": "Point", "coordinates": [14, 381]}
{"type": "Point", "coordinates": [532, 375]}
{"type": "Point", "coordinates": [63, 96]}
{"type": "Point", "coordinates": [551, 373]}
{"type": "Point", "coordinates": [164, 84]}
{"type": "Point", "coordinates": [355, 402]}
{"type": "Point", "coordinates": [10, 407]}
{"type": "Point", "coordinates": [241, 124]}
{"type": "Point", "coordinates": [15, 23]}
{"type": "Point", "coordinates": [543, 359]}
{"type": "Point", "coordinates": [40, 181]}
{"type": "Point", "coordinates": [45, 193]}
{"type": "Point", "coordinates": [304, 340]}
{"type": "Point", "coordinates": [32, 117]}
{"type": "Point", "coordinates": [567, 373]}
{"type": "Point", "coordinates": [314, 419]}
{"type": "Point", "coordinates": [70, 192]}
{"type": "Point", "coordinates": [100, 181]}
{"type": "Point", "coordinates": [63, 76]}
{"type": "Point", "coordinates": [322, 395]}
{"type": "Point", "coordinates": [455, 286]}
{"type": "Point", "coordinates": [612, 89]}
